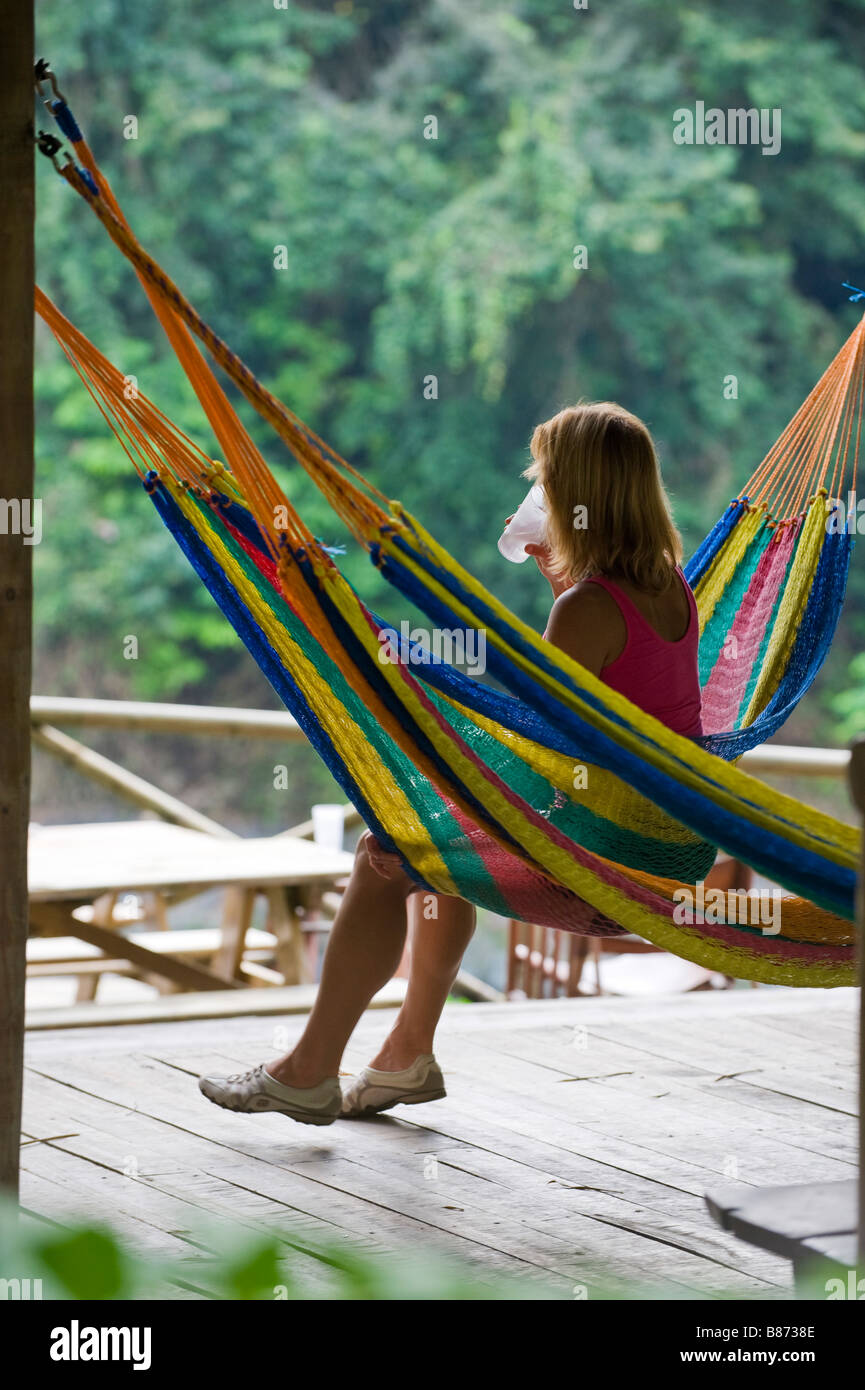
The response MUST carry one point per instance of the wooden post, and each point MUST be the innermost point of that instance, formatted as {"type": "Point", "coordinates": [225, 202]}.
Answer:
{"type": "Point", "coordinates": [857, 789]}
{"type": "Point", "coordinates": [16, 434]}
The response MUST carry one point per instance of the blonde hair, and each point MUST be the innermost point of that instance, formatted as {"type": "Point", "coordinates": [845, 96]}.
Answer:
{"type": "Point", "coordinates": [598, 456]}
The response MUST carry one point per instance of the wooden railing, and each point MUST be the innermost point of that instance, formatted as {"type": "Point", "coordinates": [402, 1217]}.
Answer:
{"type": "Point", "coordinates": [49, 710]}
{"type": "Point", "coordinates": [46, 711]}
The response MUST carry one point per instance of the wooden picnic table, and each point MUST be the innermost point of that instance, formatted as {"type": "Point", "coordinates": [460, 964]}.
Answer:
{"type": "Point", "coordinates": [73, 868]}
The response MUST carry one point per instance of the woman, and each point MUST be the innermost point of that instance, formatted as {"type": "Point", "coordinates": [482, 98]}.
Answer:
{"type": "Point", "coordinates": [624, 611]}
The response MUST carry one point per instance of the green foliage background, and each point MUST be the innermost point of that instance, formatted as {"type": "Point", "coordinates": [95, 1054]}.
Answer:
{"type": "Point", "coordinates": [303, 126]}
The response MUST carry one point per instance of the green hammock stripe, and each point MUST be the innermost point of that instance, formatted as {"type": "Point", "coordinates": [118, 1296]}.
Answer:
{"type": "Point", "coordinates": [671, 859]}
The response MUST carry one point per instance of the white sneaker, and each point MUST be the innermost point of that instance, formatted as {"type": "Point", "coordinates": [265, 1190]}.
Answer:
{"type": "Point", "coordinates": [255, 1091]}
{"type": "Point", "coordinates": [372, 1091]}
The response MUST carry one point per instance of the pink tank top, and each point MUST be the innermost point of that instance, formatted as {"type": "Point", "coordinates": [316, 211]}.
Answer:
{"type": "Point", "coordinates": [661, 677]}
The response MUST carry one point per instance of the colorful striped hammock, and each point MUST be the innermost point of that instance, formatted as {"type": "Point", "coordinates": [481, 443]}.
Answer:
{"type": "Point", "coordinates": [554, 799]}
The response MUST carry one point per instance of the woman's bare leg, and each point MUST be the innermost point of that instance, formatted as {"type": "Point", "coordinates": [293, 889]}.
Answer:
{"type": "Point", "coordinates": [437, 944]}
{"type": "Point", "coordinates": [364, 950]}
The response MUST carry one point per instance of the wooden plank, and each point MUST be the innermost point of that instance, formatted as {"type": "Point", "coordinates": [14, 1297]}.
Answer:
{"type": "Point", "coordinates": [96, 966]}
{"type": "Point", "coordinates": [16, 550]}
{"type": "Point", "coordinates": [44, 1190]}
{"type": "Point", "coordinates": [285, 923]}
{"type": "Point", "coordinates": [656, 1213]}
{"type": "Point", "coordinates": [206, 1004]}
{"type": "Point", "coordinates": [383, 1157]}
{"type": "Point", "coordinates": [840, 1030]}
{"type": "Point", "coordinates": [734, 1102]}
{"type": "Point", "coordinates": [823, 1079]}
{"type": "Point", "coordinates": [600, 1241]}
{"type": "Point", "coordinates": [575, 1248]}
{"type": "Point", "coordinates": [184, 973]}
{"type": "Point", "coordinates": [628, 1144]}
{"type": "Point", "coordinates": [154, 717]}
{"type": "Point", "coordinates": [474, 988]}
{"type": "Point", "coordinates": [256, 974]}
{"type": "Point", "coordinates": [698, 1097]}
{"type": "Point", "coordinates": [193, 1271]}
{"type": "Point", "coordinates": [672, 1010]}
{"type": "Point", "coordinates": [791, 760]}
{"type": "Point", "coordinates": [588, 1133]}
{"type": "Point", "coordinates": [661, 1121]}
{"type": "Point", "coordinates": [150, 1218]}
{"type": "Point", "coordinates": [191, 941]}
{"type": "Point", "coordinates": [506, 1243]}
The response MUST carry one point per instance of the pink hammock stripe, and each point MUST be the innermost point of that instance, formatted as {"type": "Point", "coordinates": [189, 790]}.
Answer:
{"type": "Point", "coordinates": [726, 686]}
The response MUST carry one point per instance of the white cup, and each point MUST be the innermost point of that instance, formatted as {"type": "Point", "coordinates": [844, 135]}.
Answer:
{"type": "Point", "coordinates": [527, 526]}
{"type": "Point", "coordinates": [328, 824]}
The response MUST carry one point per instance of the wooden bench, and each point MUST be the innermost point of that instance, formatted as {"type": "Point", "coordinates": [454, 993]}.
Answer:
{"type": "Point", "coordinates": [67, 955]}
{"type": "Point", "coordinates": [811, 1224]}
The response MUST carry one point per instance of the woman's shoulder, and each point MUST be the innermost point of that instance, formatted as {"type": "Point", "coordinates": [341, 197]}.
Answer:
{"type": "Point", "coordinates": [587, 623]}
{"type": "Point", "coordinates": [585, 597]}
{"type": "Point", "coordinates": [588, 604]}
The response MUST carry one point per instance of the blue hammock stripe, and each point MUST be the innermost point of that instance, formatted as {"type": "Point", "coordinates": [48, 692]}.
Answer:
{"type": "Point", "coordinates": [827, 884]}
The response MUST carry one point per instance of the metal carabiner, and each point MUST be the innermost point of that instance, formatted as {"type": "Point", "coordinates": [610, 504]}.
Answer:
{"type": "Point", "coordinates": [50, 146]}
{"type": "Point", "coordinates": [42, 73]}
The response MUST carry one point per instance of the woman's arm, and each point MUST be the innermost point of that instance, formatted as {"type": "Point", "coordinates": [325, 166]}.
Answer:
{"type": "Point", "coordinates": [584, 621]}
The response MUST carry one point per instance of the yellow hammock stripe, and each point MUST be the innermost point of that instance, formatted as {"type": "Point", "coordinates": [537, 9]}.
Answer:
{"type": "Point", "coordinates": [559, 863]}
{"type": "Point", "coordinates": [710, 589]}
{"type": "Point", "coordinates": [606, 795]}
{"type": "Point", "coordinates": [374, 779]}
{"type": "Point", "coordinates": [803, 920]}
{"type": "Point", "coordinates": [688, 763]}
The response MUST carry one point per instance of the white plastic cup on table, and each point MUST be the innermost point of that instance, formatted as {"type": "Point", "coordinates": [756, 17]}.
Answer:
{"type": "Point", "coordinates": [527, 526]}
{"type": "Point", "coordinates": [328, 825]}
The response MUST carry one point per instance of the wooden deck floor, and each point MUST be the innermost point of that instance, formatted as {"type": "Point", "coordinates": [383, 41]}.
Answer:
{"type": "Point", "coordinates": [575, 1143]}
